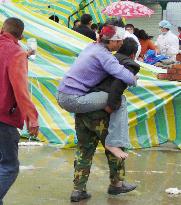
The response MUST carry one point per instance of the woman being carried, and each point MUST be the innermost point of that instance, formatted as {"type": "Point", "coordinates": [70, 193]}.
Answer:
{"type": "Point", "coordinates": [93, 65]}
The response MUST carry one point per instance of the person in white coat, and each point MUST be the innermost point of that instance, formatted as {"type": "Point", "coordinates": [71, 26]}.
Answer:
{"type": "Point", "coordinates": [130, 34]}
{"type": "Point", "coordinates": [167, 42]}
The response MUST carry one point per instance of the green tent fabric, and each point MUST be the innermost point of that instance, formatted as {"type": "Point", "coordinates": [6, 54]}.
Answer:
{"type": "Point", "coordinates": [154, 105]}
{"type": "Point", "coordinates": [66, 9]}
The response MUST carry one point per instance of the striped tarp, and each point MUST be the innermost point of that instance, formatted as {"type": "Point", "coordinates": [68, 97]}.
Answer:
{"type": "Point", "coordinates": [65, 8]}
{"type": "Point", "coordinates": [154, 105]}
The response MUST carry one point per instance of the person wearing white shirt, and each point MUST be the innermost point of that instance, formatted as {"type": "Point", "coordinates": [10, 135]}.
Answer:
{"type": "Point", "coordinates": [130, 34]}
{"type": "Point", "coordinates": [167, 42]}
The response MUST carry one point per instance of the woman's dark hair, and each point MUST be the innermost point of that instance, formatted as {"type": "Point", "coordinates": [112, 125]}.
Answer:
{"type": "Point", "coordinates": [179, 28]}
{"type": "Point", "coordinates": [115, 22]}
{"type": "Point", "coordinates": [143, 35]}
{"type": "Point", "coordinates": [136, 32]}
{"type": "Point", "coordinates": [129, 47]}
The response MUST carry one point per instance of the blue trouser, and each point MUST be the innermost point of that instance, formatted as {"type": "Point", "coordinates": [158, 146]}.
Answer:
{"type": "Point", "coordinates": [118, 135]}
{"type": "Point", "coordinates": [9, 164]}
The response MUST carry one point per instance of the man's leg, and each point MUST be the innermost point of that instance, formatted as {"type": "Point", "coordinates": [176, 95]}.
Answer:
{"type": "Point", "coordinates": [9, 164]}
{"type": "Point", "coordinates": [116, 166]}
{"type": "Point", "coordinates": [86, 146]}
{"type": "Point", "coordinates": [99, 124]}
{"type": "Point", "coordinates": [117, 173]}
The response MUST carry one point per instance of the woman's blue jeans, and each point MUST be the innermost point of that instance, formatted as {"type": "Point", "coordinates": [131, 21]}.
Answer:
{"type": "Point", "coordinates": [118, 134]}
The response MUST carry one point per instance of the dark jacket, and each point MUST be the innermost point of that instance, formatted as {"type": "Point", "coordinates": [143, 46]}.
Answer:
{"type": "Point", "coordinates": [86, 31]}
{"type": "Point", "coordinates": [116, 87]}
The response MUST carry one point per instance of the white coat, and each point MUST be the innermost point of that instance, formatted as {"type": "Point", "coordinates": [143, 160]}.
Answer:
{"type": "Point", "coordinates": [168, 44]}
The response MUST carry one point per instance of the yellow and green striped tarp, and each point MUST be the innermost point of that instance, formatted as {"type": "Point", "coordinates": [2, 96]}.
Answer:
{"type": "Point", "coordinates": [154, 105]}
{"type": "Point", "coordinates": [66, 9]}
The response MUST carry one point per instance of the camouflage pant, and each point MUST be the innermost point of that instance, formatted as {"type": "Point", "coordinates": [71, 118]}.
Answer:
{"type": "Point", "coordinates": [91, 128]}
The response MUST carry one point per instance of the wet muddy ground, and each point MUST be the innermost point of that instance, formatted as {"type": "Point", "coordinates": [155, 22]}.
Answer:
{"type": "Point", "coordinates": [47, 172]}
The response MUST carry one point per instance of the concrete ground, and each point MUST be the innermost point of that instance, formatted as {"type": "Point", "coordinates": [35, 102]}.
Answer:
{"type": "Point", "coordinates": [47, 172]}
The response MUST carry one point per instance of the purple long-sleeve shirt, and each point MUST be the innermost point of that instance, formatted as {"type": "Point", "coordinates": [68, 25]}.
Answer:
{"type": "Point", "coordinates": [94, 63]}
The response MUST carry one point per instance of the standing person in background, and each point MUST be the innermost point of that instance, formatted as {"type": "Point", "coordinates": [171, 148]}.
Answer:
{"type": "Point", "coordinates": [167, 42]}
{"type": "Point", "coordinates": [76, 24]}
{"type": "Point", "coordinates": [129, 28]}
{"type": "Point", "coordinates": [179, 37]}
{"type": "Point", "coordinates": [85, 27]}
{"type": "Point", "coordinates": [15, 103]}
{"type": "Point", "coordinates": [146, 43]}
{"type": "Point", "coordinates": [130, 34]}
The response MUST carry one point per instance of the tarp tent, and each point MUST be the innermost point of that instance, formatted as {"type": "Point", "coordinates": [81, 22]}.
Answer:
{"type": "Point", "coordinates": [154, 105]}
{"type": "Point", "coordinates": [66, 9]}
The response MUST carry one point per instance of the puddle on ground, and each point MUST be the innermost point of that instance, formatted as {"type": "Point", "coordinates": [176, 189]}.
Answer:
{"type": "Point", "coordinates": [47, 172]}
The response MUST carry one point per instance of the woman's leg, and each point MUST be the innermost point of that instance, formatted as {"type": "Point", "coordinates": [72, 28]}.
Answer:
{"type": "Point", "coordinates": [118, 131]}
{"type": "Point", "coordinates": [98, 101]}
{"type": "Point", "coordinates": [82, 104]}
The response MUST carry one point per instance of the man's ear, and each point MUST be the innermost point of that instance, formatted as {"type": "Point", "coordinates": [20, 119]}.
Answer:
{"type": "Point", "coordinates": [90, 23]}
{"type": "Point", "coordinates": [21, 37]}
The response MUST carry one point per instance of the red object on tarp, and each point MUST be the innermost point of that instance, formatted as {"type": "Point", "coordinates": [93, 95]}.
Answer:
{"type": "Point", "coordinates": [173, 73]}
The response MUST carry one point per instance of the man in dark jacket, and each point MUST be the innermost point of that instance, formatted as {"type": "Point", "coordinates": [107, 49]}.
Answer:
{"type": "Point", "coordinates": [92, 127]}
{"type": "Point", "coordinates": [116, 141]}
{"type": "Point", "coordinates": [113, 86]}
{"type": "Point", "coordinates": [85, 27]}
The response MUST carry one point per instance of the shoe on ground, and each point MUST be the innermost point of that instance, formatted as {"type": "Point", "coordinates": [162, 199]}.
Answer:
{"type": "Point", "coordinates": [77, 196]}
{"type": "Point", "coordinates": [113, 190]}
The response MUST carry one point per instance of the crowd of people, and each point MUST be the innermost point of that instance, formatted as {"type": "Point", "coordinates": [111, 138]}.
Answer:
{"type": "Point", "coordinates": [166, 44]}
{"type": "Point", "coordinates": [93, 89]}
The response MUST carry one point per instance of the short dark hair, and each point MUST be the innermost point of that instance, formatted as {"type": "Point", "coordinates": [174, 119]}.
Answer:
{"type": "Point", "coordinates": [94, 26]}
{"type": "Point", "coordinates": [76, 21]}
{"type": "Point", "coordinates": [129, 47]}
{"type": "Point", "coordinates": [85, 19]}
{"type": "Point", "coordinates": [129, 26]}
{"type": "Point", "coordinates": [179, 28]}
{"type": "Point", "coordinates": [115, 22]}
{"type": "Point", "coordinates": [14, 26]}
{"type": "Point", "coordinates": [54, 18]}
